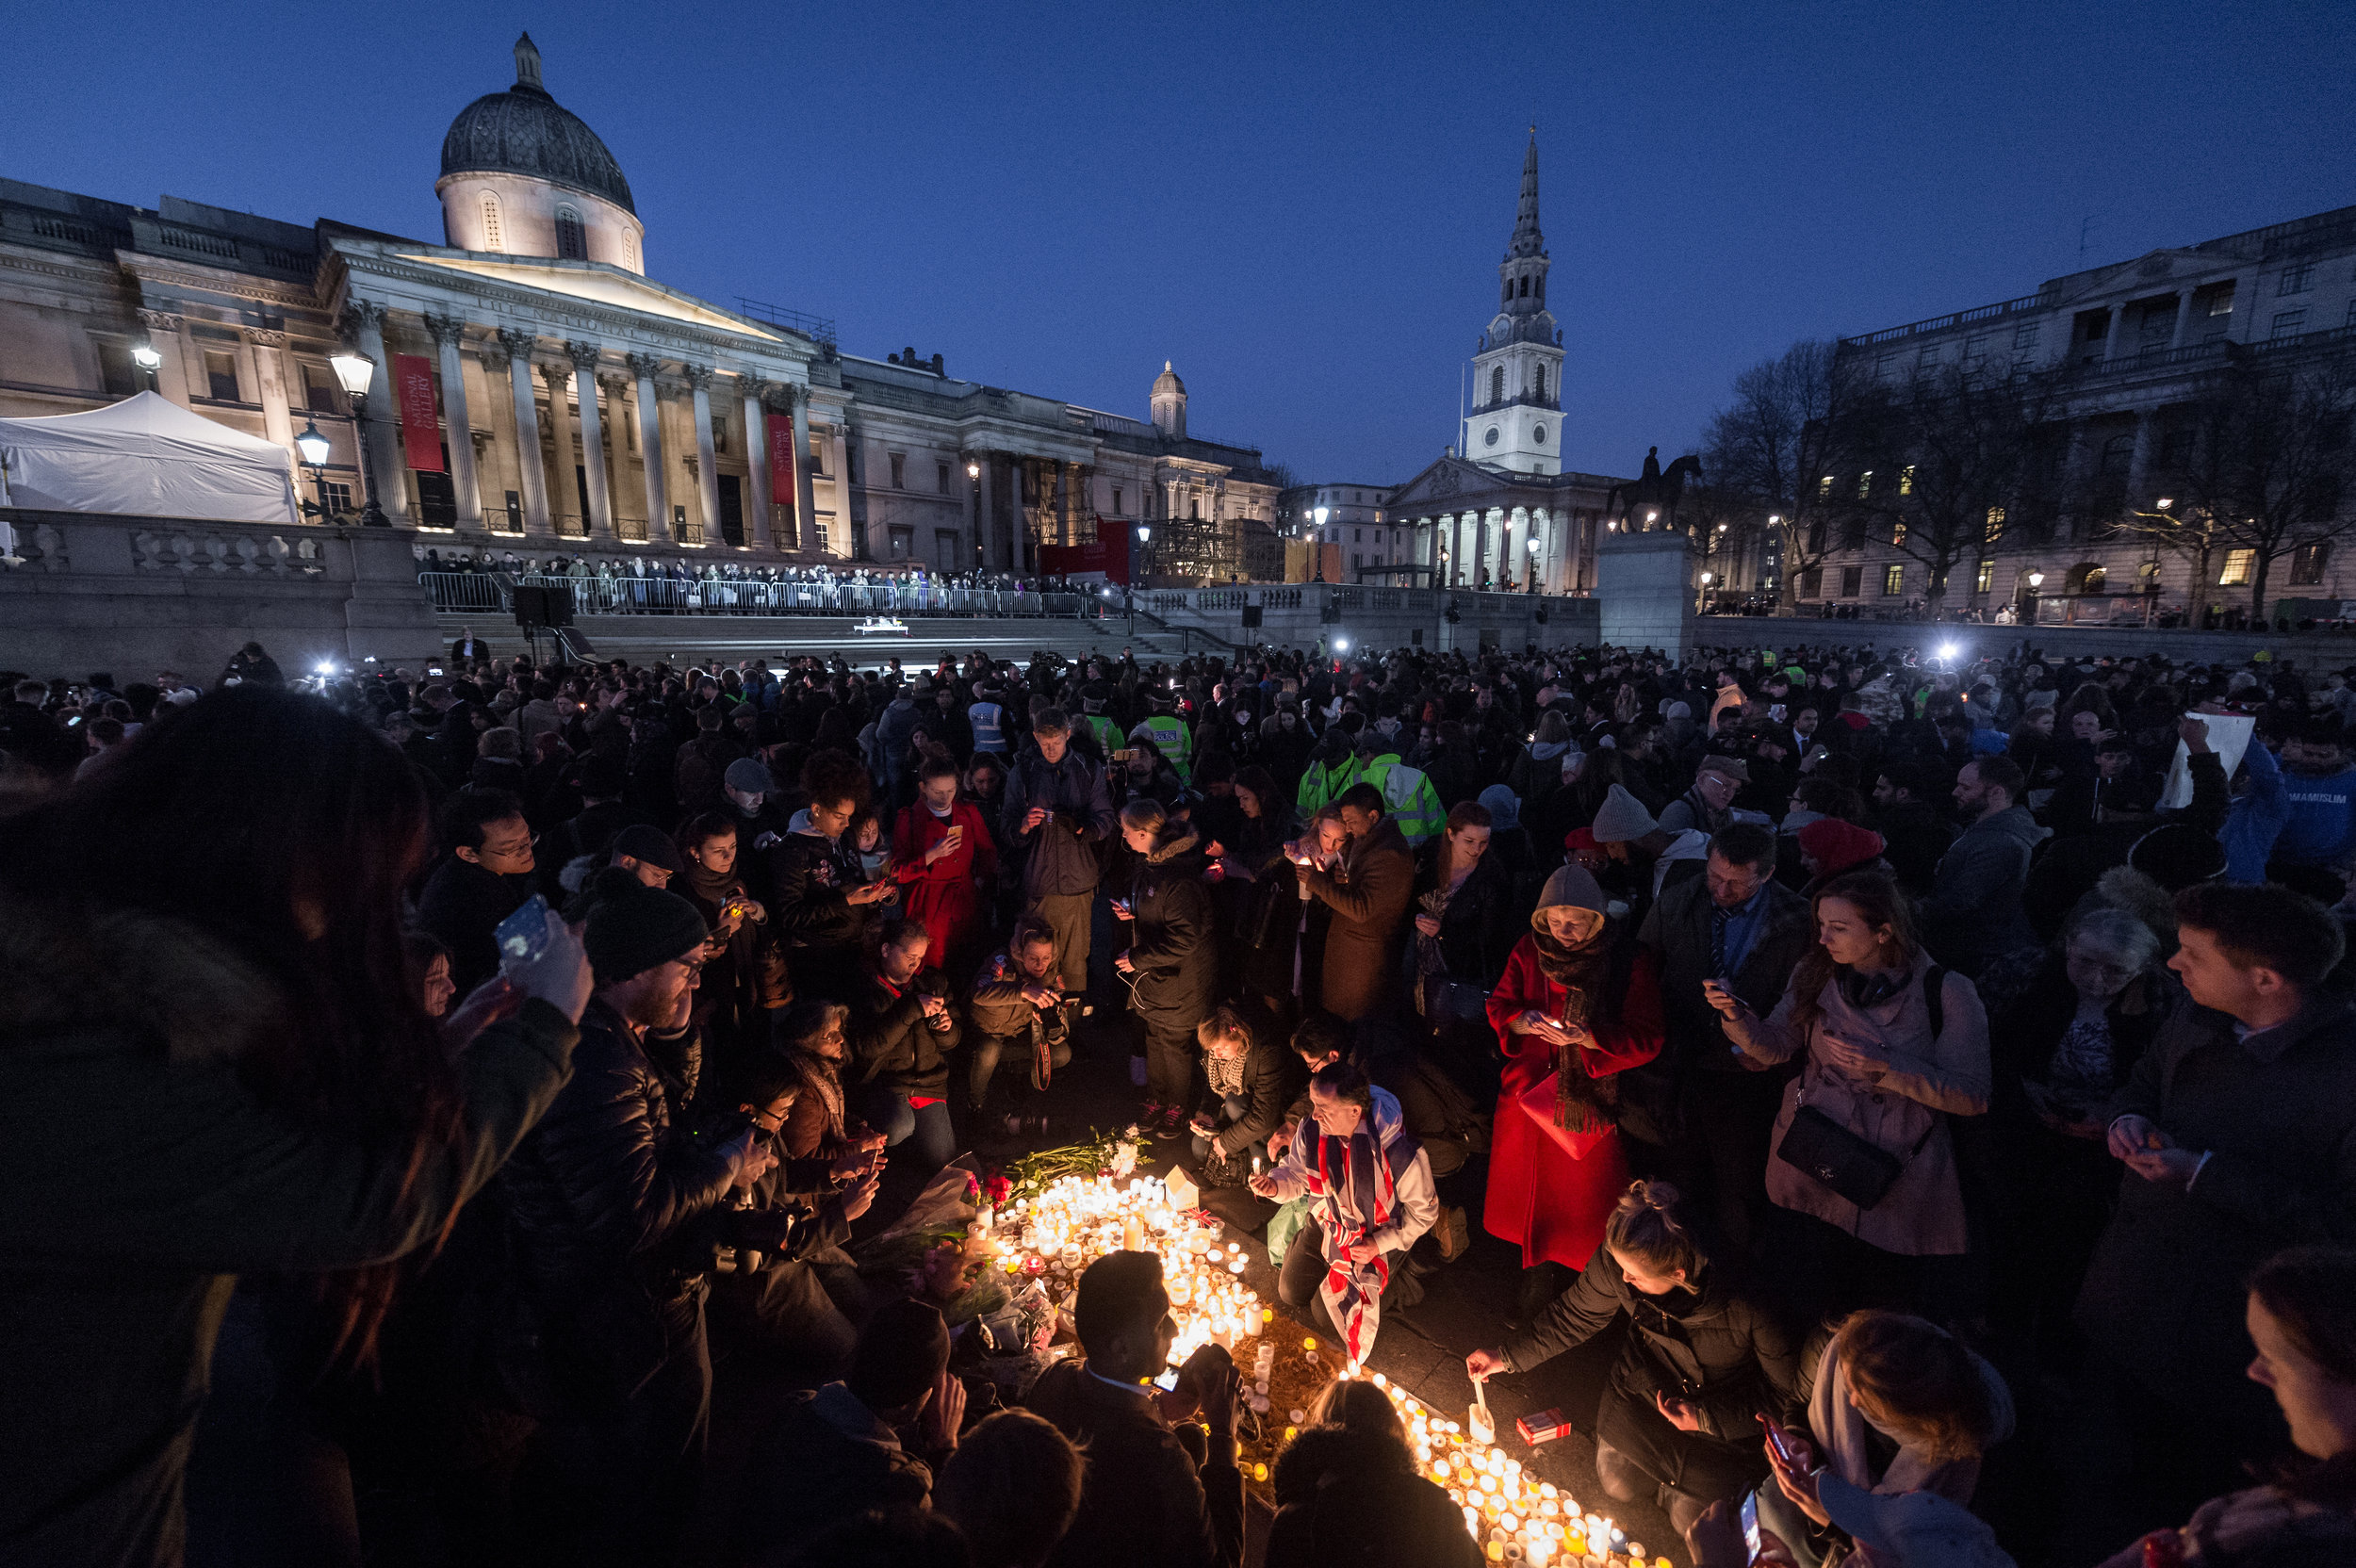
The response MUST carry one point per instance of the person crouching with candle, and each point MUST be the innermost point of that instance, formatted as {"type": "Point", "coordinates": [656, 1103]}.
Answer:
{"type": "Point", "coordinates": [1371, 1192]}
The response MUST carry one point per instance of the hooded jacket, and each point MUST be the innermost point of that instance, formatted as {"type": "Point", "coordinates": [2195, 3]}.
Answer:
{"type": "Point", "coordinates": [1974, 912]}
{"type": "Point", "coordinates": [1173, 953]}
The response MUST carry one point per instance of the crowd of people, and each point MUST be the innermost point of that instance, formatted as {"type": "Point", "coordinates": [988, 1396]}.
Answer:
{"type": "Point", "coordinates": [1939, 1082]}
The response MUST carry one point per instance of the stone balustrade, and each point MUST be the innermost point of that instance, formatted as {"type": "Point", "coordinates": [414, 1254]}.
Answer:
{"type": "Point", "coordinates": [84, 591]}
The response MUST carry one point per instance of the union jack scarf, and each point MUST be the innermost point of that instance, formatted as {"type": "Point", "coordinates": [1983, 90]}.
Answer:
{"type": "Point", "coordinates": [1355, 1194]}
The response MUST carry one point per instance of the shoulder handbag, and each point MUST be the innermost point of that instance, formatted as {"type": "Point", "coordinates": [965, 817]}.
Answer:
{"type": "Point", "coordinates": [1853, 1167]}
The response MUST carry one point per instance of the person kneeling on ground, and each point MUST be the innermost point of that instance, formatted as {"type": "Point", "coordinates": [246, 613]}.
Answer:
{"type": "Point", "coordinates": [1249, 1080]}
{"type": "Point", "coordinates": [1705, 1355]}
{"type": "Point", "coordinates": [1370, 1187]}
{"type": "Point", "coordinates": [1018, 1007]}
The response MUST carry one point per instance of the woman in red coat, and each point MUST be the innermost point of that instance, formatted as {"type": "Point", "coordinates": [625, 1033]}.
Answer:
{"type": "Point", "coordinates": [1582, 1000]}
{"type": "Point", "coordinates": [942, 854]}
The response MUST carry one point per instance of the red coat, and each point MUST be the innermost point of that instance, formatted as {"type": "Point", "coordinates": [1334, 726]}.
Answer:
{"type": "Point", "coordinates": [942, 895]}
{"type": "Point", "coordinates": [1539, 1196]}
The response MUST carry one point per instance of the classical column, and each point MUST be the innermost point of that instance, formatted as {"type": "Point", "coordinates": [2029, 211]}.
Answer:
{"type": "Point", "coordinates": [805, 506]}
{"type": "Point", "coordinates": [706, 469]}
{"type": "Point", "coordinates": [985, 511]}
{"type": "Point", "coordinates": [757, 457]}
{"type": "Point", "coordinates": [532, 474]}
{"type": "Point", "coordinates": [558, 379]}
{"type": "Point", "coordinates": [366, 319]}
{"type": "Point", "coordinates": [616, 387]}
{"type": "Point", "coordinates": [2182, 334]}
{"type": "Point", "coordinates": [650, 448]}
{"type": "Point", "coordinates": [1480, 553]}
{"type": "Point", "coordinates": [450, 336]}
{"type": "Point", "coordinates": [839, 459]}
{"type": "Point", "coordinates": [2117, 347]}
{"type": "Point", "coordinates": [583, 354]}
{"type": "Point", "coordinates": [270, 376]}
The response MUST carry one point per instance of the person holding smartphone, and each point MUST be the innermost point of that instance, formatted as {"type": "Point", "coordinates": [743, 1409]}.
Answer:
{"type": "Point", "coordinates": [943, 857]}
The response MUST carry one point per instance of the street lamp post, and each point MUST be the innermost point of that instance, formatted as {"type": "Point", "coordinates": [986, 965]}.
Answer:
{"type": "Point", "coordinates": [313, 449]}
{"type": "Point", "coordinates": [1317, 541]}
{"type": "Point", "coordinates": [1144, 566]}
{"type": "Point", "coordinates": [2037, 581]}
{"type": "Point", "coordinates": [1533, 565]}
{"type": "Point", "coordinates": [146, 358]}
{"type": "Point", "coordinates": [356, 370]}
{"type": "Point", "coordinates": [1701, 605]}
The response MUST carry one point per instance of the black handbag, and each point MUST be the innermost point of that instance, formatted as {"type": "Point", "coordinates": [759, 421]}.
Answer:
{"type": "Point", "coordinates": [1853, 1167]}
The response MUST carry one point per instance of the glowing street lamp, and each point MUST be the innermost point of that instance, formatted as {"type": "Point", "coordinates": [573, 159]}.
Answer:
{"type": "Point", "coordinates": [354, 371]}
{"type": "Point", "coordinates": [313, 449]}
{"type": "Point", "coordinates": [145, 357]}
{"type": "Point", "coordinates": [1533, 565]}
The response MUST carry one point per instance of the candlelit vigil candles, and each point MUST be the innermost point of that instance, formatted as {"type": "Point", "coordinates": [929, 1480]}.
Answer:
{"type": "Point", "coordinates": [1057, 1228]}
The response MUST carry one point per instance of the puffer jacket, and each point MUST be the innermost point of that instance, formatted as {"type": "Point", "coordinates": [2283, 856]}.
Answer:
{"type": "Point", "coordinates": [997, 1007]}
{"type": "Point", "coordinates": [605, 1178]}
{"type": "Point", "coordinates": [893, 1042]}
{"type": "Point", "coordinates": [1172, 950]}
{"type": "Point", "coordinates": [1717, 1346]}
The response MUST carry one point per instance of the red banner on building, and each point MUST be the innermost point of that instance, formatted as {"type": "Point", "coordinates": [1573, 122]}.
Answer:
{"type": "Point", "coordinates": [781, 427]}
{"type": "Point", "coordinates": [420, 423]}
{"type": "Point", "coordinates": [1106, 559]}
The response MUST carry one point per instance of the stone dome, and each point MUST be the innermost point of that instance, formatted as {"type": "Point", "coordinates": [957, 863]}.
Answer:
{"type": "Point", "coordinates": [1168, 382]}
{"type": "Point", "coordinates": [524, 131]}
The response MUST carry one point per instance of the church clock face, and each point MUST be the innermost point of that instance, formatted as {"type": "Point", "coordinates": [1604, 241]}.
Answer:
{"type": "Point", "coordinates": [1490, 439]}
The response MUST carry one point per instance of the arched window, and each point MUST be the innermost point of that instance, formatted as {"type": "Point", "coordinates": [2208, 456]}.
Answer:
{"type": "Point", "coordinates": [1525, 287]}
{"type": "Point", "coordinates": [1539, 385]}
{"type": "Point", "coordinates": [491, 241]}
{"type": "Point", "coordinates": [1496, 384]}
{"type": "Point", "coordinates": [572, 245]}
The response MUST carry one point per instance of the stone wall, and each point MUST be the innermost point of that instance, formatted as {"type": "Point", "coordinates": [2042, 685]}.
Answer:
{"type": "Point", "coordinates": [2310, 649]}
{"type": "Point", "coordinates": [1645, 585]}
{"type": "Point", "coordinates": [84, 591]}
{"type": "Point", "coordinates": [1377, 619]}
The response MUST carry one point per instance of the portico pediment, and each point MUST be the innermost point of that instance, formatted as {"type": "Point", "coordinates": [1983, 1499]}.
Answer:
{"type": "Point", "coordinates": [598, 284]}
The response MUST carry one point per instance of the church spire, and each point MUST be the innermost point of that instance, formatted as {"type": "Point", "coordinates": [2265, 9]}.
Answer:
{"type": "Point", "coordinates": [1527, 241]}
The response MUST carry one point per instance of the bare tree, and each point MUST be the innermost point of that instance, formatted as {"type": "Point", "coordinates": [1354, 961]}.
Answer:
{"type": "Point", "coordinates": [1951, 467]}
{"type": "Point", "coordinates": [2262, 462]}
{"type": "Point", "coordinates": [1773, 443]}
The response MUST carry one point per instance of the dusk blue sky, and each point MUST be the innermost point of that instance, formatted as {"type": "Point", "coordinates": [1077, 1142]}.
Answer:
{"type": "Point", "coordinates": [1302, 207]}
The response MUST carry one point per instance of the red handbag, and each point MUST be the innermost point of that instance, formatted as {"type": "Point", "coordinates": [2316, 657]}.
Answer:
{"type": "Point", "coordinates": [1538, 1103]}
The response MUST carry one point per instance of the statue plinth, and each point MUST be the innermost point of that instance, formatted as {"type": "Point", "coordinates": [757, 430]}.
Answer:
{"type": "Point", "coordinates": [1645, 584]}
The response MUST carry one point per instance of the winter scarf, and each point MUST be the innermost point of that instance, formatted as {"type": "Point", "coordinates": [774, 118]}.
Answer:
{"type": "Point", "coordinates": [1354, 1189]}
{"type": "Point", "coordinates": [1582, 1103]}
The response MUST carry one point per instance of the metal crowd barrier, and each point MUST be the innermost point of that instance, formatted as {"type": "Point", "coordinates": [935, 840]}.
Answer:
{"type": "Point", "coordinates": [491, 593]}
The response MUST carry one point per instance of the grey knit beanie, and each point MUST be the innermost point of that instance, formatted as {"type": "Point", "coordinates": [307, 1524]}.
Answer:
{"type": "Point", "coordinates": [1622, 818]}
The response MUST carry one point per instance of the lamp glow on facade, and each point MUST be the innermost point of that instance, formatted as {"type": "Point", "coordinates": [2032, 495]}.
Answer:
{"type": "Point", "coordinates": [312, 445]}
{"type": "Point", "coordinates": [145, 357]}
{"type": "Point", "coordinates": [354, 371]}
{"type": "Point", "coordinates": [2037, 579]}
{"type": "Point", "coordinates": [973, 470]}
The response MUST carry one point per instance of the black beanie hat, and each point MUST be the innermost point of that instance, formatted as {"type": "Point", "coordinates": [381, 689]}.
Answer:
{"type": "Point", "coordinates": [901, 1353]}
{"type": "Point", "coordinates": [632, 928]}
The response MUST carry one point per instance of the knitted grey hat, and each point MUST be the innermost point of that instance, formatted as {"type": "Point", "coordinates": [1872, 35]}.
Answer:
{"type": "Point", "coordinates": [1623, 817]}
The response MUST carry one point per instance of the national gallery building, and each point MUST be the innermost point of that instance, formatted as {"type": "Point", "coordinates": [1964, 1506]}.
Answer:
{"type": "Point", "coordinates": [534, 390]}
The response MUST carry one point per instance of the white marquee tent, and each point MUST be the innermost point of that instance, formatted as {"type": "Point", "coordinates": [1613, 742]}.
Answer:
{"type": "Point", "coordinates": [147, 456]}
